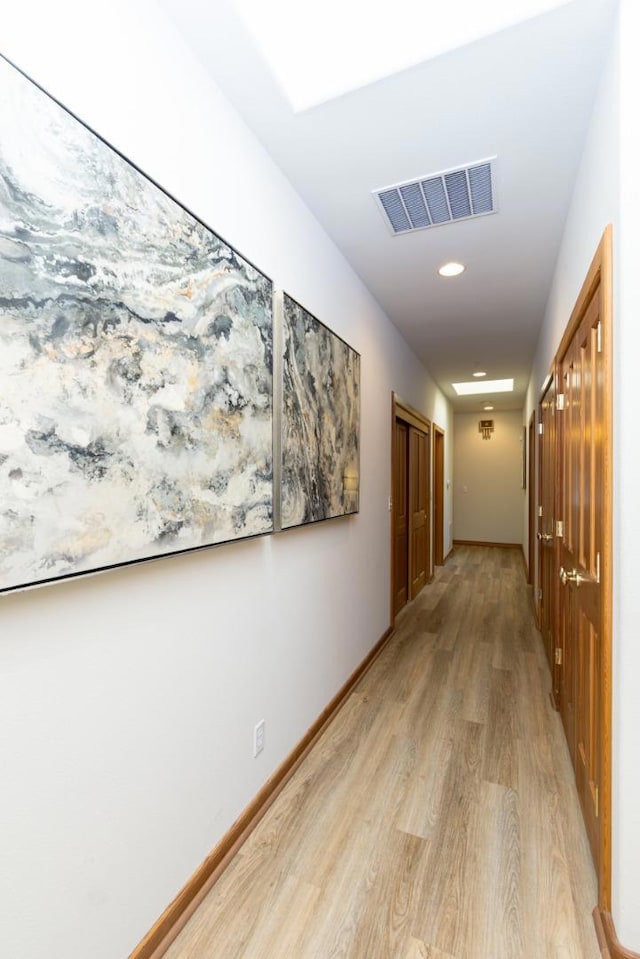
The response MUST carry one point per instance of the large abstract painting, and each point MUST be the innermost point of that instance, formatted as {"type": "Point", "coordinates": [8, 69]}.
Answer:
{"type": "Point", "coordinates": [135, 359]}
{"type": "Point", "coordinates": [320, 420]}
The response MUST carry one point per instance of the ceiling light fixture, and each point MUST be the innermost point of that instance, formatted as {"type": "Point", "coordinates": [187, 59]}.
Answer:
{"type": "Point", "coordinates": [488, 386]}
{"type": "Point", "coordinates": [488, 406]}
{"type": "Point", "coordinates": [480, 373]}
{"type": "Point", "coordinates": [451, 269]}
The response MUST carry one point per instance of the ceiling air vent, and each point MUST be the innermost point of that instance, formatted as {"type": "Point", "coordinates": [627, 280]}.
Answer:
{"type": "Point", "coordinates": [458, 194]}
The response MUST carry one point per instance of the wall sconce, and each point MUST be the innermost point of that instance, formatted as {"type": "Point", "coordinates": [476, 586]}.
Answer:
{"type": "Point", "coordinates": [486, 428]}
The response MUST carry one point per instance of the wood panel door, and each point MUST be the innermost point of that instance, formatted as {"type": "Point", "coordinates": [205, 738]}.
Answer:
{"type": "Point", "coordinates": [438, 495]}
{"type": "Point", "coordinates": [410, 503]}
{"type": "Point", "coordinates": [418, 509]}
{"type": "Point", "coordinates": [531, 497]}
{"type": "Point", "coordinates": [569, 455]}
{"type": "Point", "coordinates": [583, 618]}
{"type": "Point", "coordinates": [584, 450]}
{"type": "Point", "coordinates": [547, 547]}
{"type": "Point", "coordinates": [400, 515]}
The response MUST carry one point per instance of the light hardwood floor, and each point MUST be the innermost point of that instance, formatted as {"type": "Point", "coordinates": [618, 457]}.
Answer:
{"type": "Point", "coordinates": [437, 817]}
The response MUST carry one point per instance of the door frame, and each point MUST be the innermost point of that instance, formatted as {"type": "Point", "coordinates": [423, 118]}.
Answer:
{"type": "Point", "coordinates": [400, 409]}
{"type": "Point", "coordinates": [601, 271]}
{"type": "Point", "coordinates": [550, 385]}
{"type": "Point", "coordinates": [539, 480]}
{"type": "Point", "coordinates": [438, 496]}
{"type": "Point", "coordinates": [531, 494]}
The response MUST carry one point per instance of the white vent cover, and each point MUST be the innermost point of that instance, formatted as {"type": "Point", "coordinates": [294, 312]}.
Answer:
{"type": "Point", "coordinates": [438, 198]}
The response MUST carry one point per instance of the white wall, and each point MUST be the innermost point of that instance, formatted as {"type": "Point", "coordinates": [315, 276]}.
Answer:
{"type": "Point", "coordinates": [607, 192]}
{"type": "Point", "coordinates": [487, 497]}
{"type": "Point", "coordinates": [594, 205]}
{"type": "Point", "coordinates": [128, 700]}
{"type": "Point", "coordinates": [626, 719]}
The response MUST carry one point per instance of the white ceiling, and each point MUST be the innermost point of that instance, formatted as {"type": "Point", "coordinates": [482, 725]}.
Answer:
{"type": "Point", "coordinates": [523, 94]}
{"type": "Point", "coordinates": [365, 42]}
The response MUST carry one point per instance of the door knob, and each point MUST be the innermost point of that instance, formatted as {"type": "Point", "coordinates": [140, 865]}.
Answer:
{"type": "Point", "coordinates": [545, 537]}
{"type": "Point", "coordinates": [574, 577]}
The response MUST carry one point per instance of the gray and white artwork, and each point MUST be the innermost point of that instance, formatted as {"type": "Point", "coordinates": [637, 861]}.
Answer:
{"type": "Point", "coordinates": [135, 360]}
{"type": "Point", "coordinates": [320, 420]}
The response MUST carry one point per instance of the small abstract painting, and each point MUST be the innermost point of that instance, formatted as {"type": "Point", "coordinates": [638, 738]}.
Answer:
{"type": "Point", "coordinates": [136, 353]}
{"type": "Point", "coordinates": [320, 456]}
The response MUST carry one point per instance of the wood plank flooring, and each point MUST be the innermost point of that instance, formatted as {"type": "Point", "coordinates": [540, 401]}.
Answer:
{"type": "Point", "coordinates": [437, 816]}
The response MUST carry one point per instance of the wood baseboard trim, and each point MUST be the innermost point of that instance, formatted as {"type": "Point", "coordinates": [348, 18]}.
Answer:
{"type": "Point", "coordinates": [478, 542]}
{"type": "Point", "coordinates": [607, 939]}
{"type": "Point", "coordinates": [179, 911]}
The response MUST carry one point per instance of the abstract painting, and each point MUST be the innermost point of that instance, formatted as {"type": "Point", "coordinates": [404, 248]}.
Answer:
{"type": "Point", "coordinates": [136, 353]}
{"type": "Point", "coordinates": [319, 432]}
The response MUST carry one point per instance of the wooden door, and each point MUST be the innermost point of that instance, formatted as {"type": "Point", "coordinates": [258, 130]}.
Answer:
{"type": "Point", "coordinates": [400, 515]}
{"type": "Point", "coordinates": [581, 551]}
{"type": "Point", "coordinates": [584, 595]}
{"type": "Point", "coordinates": [568, 446]}
{"type": "Point", "coordinates": [410, 503]}
{"type": "Point", "coordinates": [531, 485]}
{"type": "Point", "coordinates": [547, 545]}
{"type": "Point", "coordinates": [418, 509]}
{"type": "Point", "coordinates": [438, 495]}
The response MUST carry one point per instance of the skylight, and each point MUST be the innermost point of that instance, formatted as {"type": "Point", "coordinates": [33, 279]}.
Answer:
{"type": "Point", "coordinates": [320, 51]}
{"type": "Point", "coordinates": [484, 386]}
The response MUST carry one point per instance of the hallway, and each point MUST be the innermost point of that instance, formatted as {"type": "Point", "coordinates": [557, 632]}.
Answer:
{"type": "Point", "coordinates": [437, 817]}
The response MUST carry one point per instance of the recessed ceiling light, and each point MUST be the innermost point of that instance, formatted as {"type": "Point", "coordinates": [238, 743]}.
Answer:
{"type": "Point", "coordinates": [480, 373]}
{"type": "Point", "coordinates": [488, 386]}
{"type": "Point", "coordinates": [451, 269]}
{"type": "Point", "coordinates": [487, 407]}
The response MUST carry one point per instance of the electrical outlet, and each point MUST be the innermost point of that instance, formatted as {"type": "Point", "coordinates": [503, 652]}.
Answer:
{"type": "Point", "coordinates": [258, 738]}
